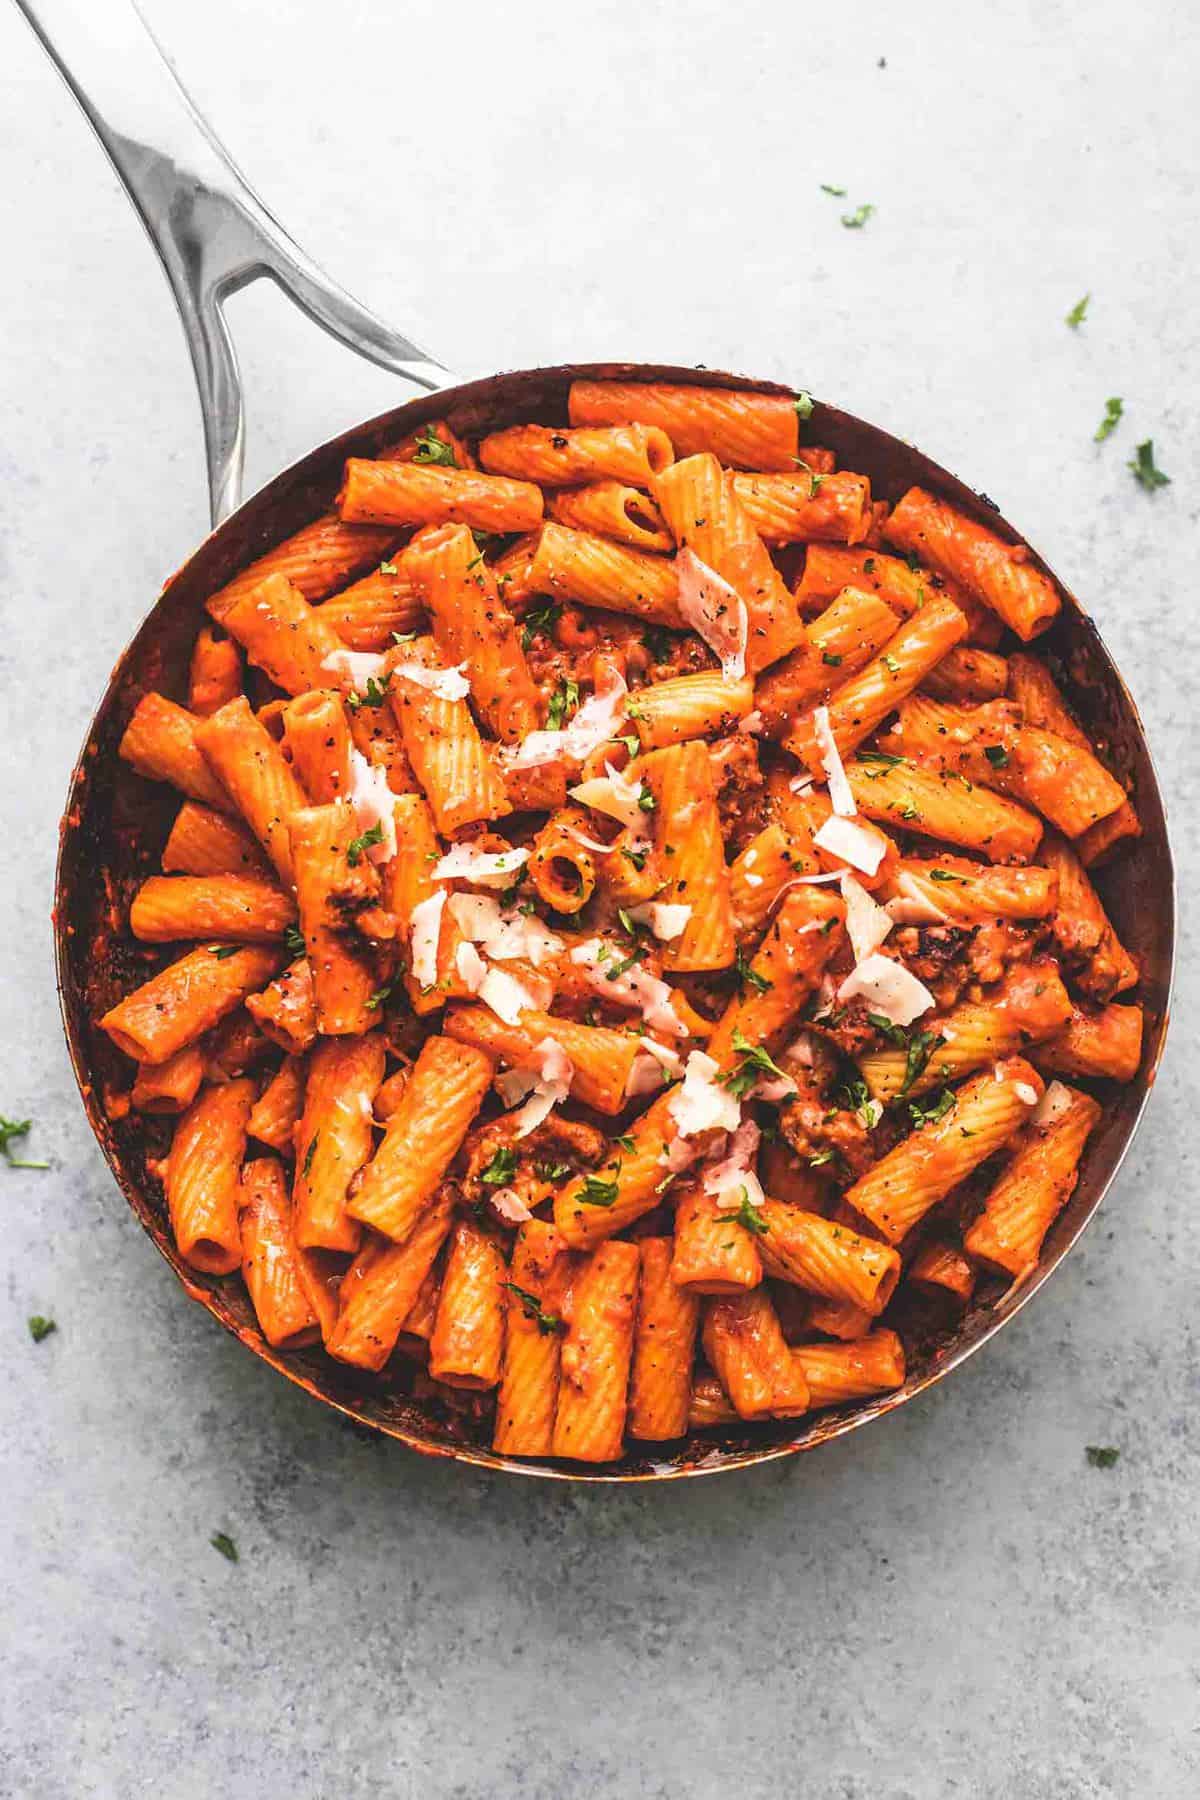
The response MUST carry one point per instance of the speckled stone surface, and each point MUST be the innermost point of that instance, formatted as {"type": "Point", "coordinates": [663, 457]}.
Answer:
{"type": "Point", "coordinates": [952, 1603]}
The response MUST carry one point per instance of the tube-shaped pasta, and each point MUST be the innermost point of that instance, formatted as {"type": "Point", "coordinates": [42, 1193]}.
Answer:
{"type": "Point", "coordinates": [839, 1372]}
{"type": "Point", "coordinates": [989, 744]}
{"type": "Point", "coordinates": [793, 508]}
{"type": "Point", "coordinates": [807, 931]}
{"type": "Point", "coordinates": [745, 1345]}
{"type": "Point", "coordinates": [203, 1171]}
{"type": "Point", "coordinates": [187, 998]}
{"type": "Point", "coordinates": [752, 431]}
{"type": "Point", "coordinates": [422, 1317]}
{"type": "Point", "coordinates": [697, 499]}
{"type": "Point", "coordinates": [204, 842]}
{"type": "Point", "coordinates": [579, 565]}
{"type": "Point", "coordinates": [953, 890]}
{"type": "Point", "coordinates": [444, 1092]}
{"type": "Point", "coordinates": [269, 1266]}
{"type": "Point", "coordinates": [282, 634]}
{"type": "Point", "coordinates": [286, 1010]}
{"type": "Point", "coordinates": [1103, 1046]}
{"type": "Point", "coordinates": [1035, 1185]}
{"type": "Point", "coordinates": [759, 876]}
{"type": "Point", "coordinates": [828, 568]}
{"type": "Point", "coordinates": [589, 1419]}
{"type": "Point", "coordinates": [668, 1317]}
{"type": "Point", "coordinates": [554, 457]}
{"type": "Point", "coordinates": [851, 630]}
{"type": "Point", "coordinates": [862, 703]}
{"type": "Point", "coordinates": [1001, 575]}
{"type": "Point", "coordinates": [534, 1325]}
{"type": "Point", "coordinates": [251, 766]}
{"type": "Point", "coordinates": [713, 1253]}
{"type": "Point", "coordinates": [318, 740]}
{"type": "Point", "coordinates": [710, 1404]}
{"type": "Point", "coordinates": [171, 1086]}
{"type": "Point", "coordinates": [560, 867]}
{"type": "Point", "coordinates": [276, 1112]}
{"type": "Point", "coordinates": [389, 493]}
{"type": "Point", "coordinates": [241, 908]}
{"type": "Point", "coordinates": [598, 1205]}
{"type": "Point", "coordinates": [602, 1058]}
{"type": "Point", "coordinates": [334, 1138]}
{"type": "Point", "coordinates": [467, 1345]}
{"type": "Point", "coordinates": [941, 1268]}
{"type": "Point", "coordinates": [689, 706]}
{"type": "Point", "coordinates": [458, 777]}
{"type": "Point", "coordinates": [1030, 1006]}
{"type": "Point", "coordinates": [343, 972]}
{"type": "Point", "coordinates": [408, 882]}
{"type": "Point", "coordinates": [899, 791]}
{"type": "Point", "coordinates": [1034, 690]}
{"type": "Point", "coordinates": [691, 850]}
{"type": "Point", "coordinates": [160, 743]}
{"type": "Point", "coordinates": [214, 673]}
{"type": "Point", "coordinates": [903, 1186]}
{"type": "Point", "coordinates": [1083, 929]}
{"type": "Point", "coordinates": [969, 676]}
{"type": "Point", "coordinates": [369, 614]}
{"type": "Point", "coordinates": [380, 1286]}
{"type": "Point", "coordinates": [317, 559]}
{"type": "Point", "coordinates": [827, 1258]}
{"type": "Point", "coordinates": [612, 509]}
{"type": "Point", "coordinates": [472, 625]}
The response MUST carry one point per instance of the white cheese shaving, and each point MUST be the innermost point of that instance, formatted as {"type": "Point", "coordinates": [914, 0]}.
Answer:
{"type": "Point", "coordinates": [715, 611]}
{"type": "Point", "coordinates": [444, 684]}
{"type": "Point", "coordinates": [589, 843]}
{"type": "Point", "coordinates": [752, 724]}
{"type": "Point", "coordinates": [866, 923]}
{"type": "Point", "coordinates": [1025, 1092]}
{"type": "Point", "coordinates": [861, 848]}
{"type": "Point", "coordinates": [912, 905]}
{"type": "Point", "coordinates": [507, 997]}
{"type": "Point", "coordinates": [831, 761]}
{"type": "Point", "coordinates": [614, 796]}
{"type": "Point", "coordinates": [374, 804]}
{"type": "Point", "coordinates": [753, 880]}
{"type": "Point", "coordinates": [509, 1204]}
{"type": "Point", "coordinates": [550, 1085]}
{"type": "Point", "coordinates": [665, 921]}
{"type": "Point", "coordinates": [597, 721]}
{"type": "Point", "coordinates": [505, 936]}
{"type": "Point", "coordinates": [733, 1179]}
{"type": "Point", "coordinates": [653, 1064]}
{"type": "Point", "coordinates": [426, 932]}
{"type": "Point", "coordinates": [801, 784]}
{"type": "Point", "coordinates": [1056, 1101]}
{"type": "Point", "coordinates": [470, 966]}
{"type": "Point", "coordinates": [358, 667]}
{"type": "Point", "coordinates": [888, 988]}
{"type": "Point", "coordinates": [634, 987]}
{"type": "Point", "coordinates": [703, 1103]}
{"type": "Point", "coordinates": [482, 868]}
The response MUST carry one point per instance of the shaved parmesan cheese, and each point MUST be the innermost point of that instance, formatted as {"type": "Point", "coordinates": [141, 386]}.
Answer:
{"type": "Point", "coordinates": [507, 997]}
{"type": "Point", "coordinates": [614, 796]}
{"type": "Point", "coordinates": [912, 906]}
{"type": "Point", "coordinates": [505, 936]}
{"type": "Point", "coordinates": [715, 611]}
{"type": "Point", "coordinates": [814, 880]}
{"type": "Point", "coordinates": [509, 1204]}
{"type": "Point", "coordinates": [445, 684]}
{"type": "Point", "coordinates": [856, 845]}
{"type": "Point", "coordinates": [780, 1087]}
{"type": "Point", "coordinates": [634, 987]}
{"type": "Point", "coordinates": [426, 931]}
{"type": "Point", "coordinates": [1025, 1092]}
{"type": "Point", "coordinates": [597, 720]}
{"type": "Point", "coordinates": [358, 667]}
{"type": "Point", "coordinates": [653, 1065]}
{"type": "Point", "coordinates": [666, 922]}
{"type": "Point", "coordinates": [702, 1103]}
{"type": "Point", "coordinates": [831, 762]}
{"type": "Point", "coordinates": [801, 784]}
{"type": "Point", "coordinates": [551, 1085]}
{"type": "Point", "coordinates": [866, 923]}
{"type": "Point", "coordinates": [470, 966]}
{"type": "Point", "coordinates": [512, 1085]}
{"type": "Point", "coordinates": [1056, 1101]}
{"type": "Point", "coordinates": [374, 804]}
{"type": "Point", "coordinates": [482, 868]}
{"type": "Point", "coordinates": [752, 724]}
{"type": "Point", "coordinates": [753, 880]}
{"type": "Point", "coordinates": [589, 843]}
{"type": "Point", "coordinates": [733, 1179]}
{"type": "Point", "coordinates": [888, 988]}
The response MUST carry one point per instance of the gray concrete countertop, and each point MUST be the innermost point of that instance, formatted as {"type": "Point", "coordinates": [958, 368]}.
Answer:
{"type": "Point", "coordinates": [952, 1603]}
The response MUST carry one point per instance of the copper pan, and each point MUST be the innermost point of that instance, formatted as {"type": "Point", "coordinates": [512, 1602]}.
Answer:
{"type": "Point", "coordinates": [213, 235]}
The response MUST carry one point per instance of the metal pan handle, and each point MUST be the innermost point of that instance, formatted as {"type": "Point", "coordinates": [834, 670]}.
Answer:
{"type": "Point", "coordinates": [212, 232]}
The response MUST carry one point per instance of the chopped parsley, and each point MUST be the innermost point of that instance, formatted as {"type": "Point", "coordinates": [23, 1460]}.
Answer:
{"type": "Point", "coordinates": [222, 1542]}
{"type": "Point", "coordinates": [596, 1191]}
{"type": "Point", "coordinates": [1078, 313]}
{"type": "Point", "coordinates": [1144, 470]}
{"type": "Point", "coordinates": [920, 1046]}
{"type": "Point", "coordinates": [16, 1128]}
{"type": "Point", "coordinates": [375, 695]}
{"type": "Point", "coordinates": [222, 952]}
{"type": "Point", "coordinates": [433, 449]}
{"type": "Point", "coordinates": [753, 1062]}
{"type": "Point", "coordinates": [855, 220]}
{"type": "Point", "coordinates": [563, 702]}
{"type": "Point", "coordinates": [40, 1328]}
{"type": "Point", "coordinates": [636, 857]}
{"type": "Point", "coordinates": [547, 1323]}
{"type": "Point", "coordinates": [313, 1141]}
{"type": "Point", "coordinates": [551, 1171]}
{"type": "Point", "coordinates": [1113, 409]}
{"type": "Point", "coordinates": [997, 755]}
{"type": "Point", "coordinates": [626, 1142]}
{"type": "Point", "coordinates": [632, 742]}
{"type": "Point", "coordinates": [880, 756]}
{"type": "Point", "coordinates": [838, 193]}
{"type": "Point", "coordinates": [1101, 1456]}
{"type": "Point", "coordinates": [804, 401]}
{"type": "Point", "coordinates": [646, 799]}
{"type": "Point", "coordinates": [501, 1169]}
{"type": "Point", "coordinates": [379, 996]}
{"type": "Point", "coordinates": [747, 1215]}
{"type": "Point", "coordinates": [356, 846]}
{"type": "Point", "coordinates": [945, 875]}
{"type": "Point", "coordinates": [895, 1034]}
{"type": "Point", "coordinates": [748, 976]}
{"type": "Point", "coordinates": [388, 568]}
{"type": "Point", "coordinates": [540, 618]}
{"type": "Point", "coordinates": [293, 939]}
{"type": "Point", "coordinates": [928, 1112]}
{"type": "Point", "coordinates": [835, 662]}
{"type": "Point", "coordinates": [889, 662]}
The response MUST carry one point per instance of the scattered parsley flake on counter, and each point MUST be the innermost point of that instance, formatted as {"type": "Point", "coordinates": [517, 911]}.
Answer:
{"type": "Point", "coordinates": [1113, 411]}
{"type": "Point", "coordinates": [1078, 313]}
{"type": "Point", "coordinates": [837, 192]}
{"type": "Point", "coordinates": [222, 1542]}
{"type": "Point", "coordinates": [547, 1323]}
{"type": "Point", "coordinates": [16, 1128]}
{"type": "Point", "coordinates": [433, 449]}
{"type": "Point", "coordinates": [804, 400]}
{"type": "Point", "coordinates": [857, 219]}
{"type": "Point", "coordinates": [1142, 465]}
{"type": "Point", "coordinates": [356, 846]}
{"type": "Point", "coordinates": [1101, 1456]}
{"type": "Point", "coordinates": [596, 1191]}
{"type": "Point", "coordinates": [501, 1169]}
{"type": "Point", "coordinates": [40, 1328]}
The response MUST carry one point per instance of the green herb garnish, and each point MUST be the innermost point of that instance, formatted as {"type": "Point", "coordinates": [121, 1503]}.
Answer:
{"type": "Point", "coordinates": [747, 1215]}
{"type": "Point", "coordinates": [223, 952]}
{"type": "Point", "coordinates": [857, 219]}
{"type": "Point", "coordinates": [221, 1540]}
{"type": "Point", "coordinates": [313, 1141]}
{"type": "Point", "coordinates": [997, 755]}
{"type": "Point", "coordinates": [837, 192]}
{"type": "Point", "coordinates": [596, 1191]}
{"type": "Point", "coordinates": [921, 1045]}
{"type": "Point", "coordinates": [375, 693]}
{"type": "Point", "coordinates": [563, 701]}
{"type": "Point", "coordinates": [293, 941]}
{"type": "Point", "coordinates": [40, 1328]}
{"type": "Point", "coordinates": [1101, 1456]}
{"type": "Point", "coordinates": [433, 449]}
{"type": "Point", "coordinates": [356, 846]}
{"type": "Point", "coordinates": [540, 618]}
{"type": "Point", "coordinates": [804, 401]}
{"type": "Point", "coordinates": [748, 976]}
{"type": "Point", "coordinates": [1078, 313]}
{"type": "Point", "coordinates": [753, 1062]}
{"type": "Point", "coordinates": [1113, 409]}
{"type": "Point", "coordinates": [928, 1112]}
{"type": "Point", "coordinates": [945, 875]}
{"type": "Point", "coordinates": [501, 1169]}
{"type": "Point", "coordinates": [547, 1323]}
{"type": "Point", "coordinates": [1143, 466]}
{"type": "Point", "coordinates": [835, 662]}
{"type": "Point", "coordinates": [16, 1128]}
